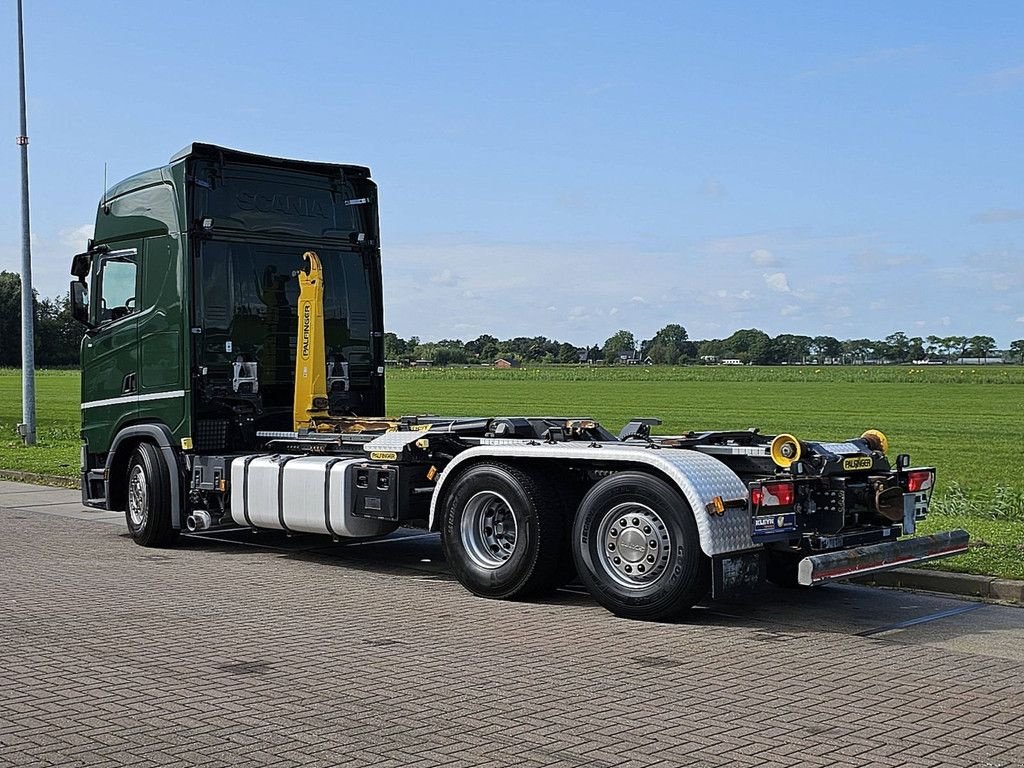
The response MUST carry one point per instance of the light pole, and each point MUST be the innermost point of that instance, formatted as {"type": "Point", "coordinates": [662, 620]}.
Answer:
{"type": "Point", "coordinates": [27, 428]}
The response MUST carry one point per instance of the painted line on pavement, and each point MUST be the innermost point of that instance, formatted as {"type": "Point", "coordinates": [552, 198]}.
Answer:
{"type": "Point", "coordinates": [922, 620]}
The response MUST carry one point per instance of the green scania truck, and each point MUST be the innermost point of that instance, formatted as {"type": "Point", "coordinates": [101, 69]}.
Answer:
{"type": "Point", "coordinates": [196, 375]}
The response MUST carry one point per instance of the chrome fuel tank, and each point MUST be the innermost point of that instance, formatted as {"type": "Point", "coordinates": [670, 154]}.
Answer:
{"type": "Point", "coordinates": [306, 494]}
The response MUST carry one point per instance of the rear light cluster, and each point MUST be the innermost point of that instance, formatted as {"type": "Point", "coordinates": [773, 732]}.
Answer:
{"type": "Point", "coordinates": [919, 480]}
{"type": "Point", "coordinates": [773, 495]}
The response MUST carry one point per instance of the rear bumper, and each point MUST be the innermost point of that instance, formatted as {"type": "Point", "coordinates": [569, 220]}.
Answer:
{"type": "Point", "coordinates": [817, 569]}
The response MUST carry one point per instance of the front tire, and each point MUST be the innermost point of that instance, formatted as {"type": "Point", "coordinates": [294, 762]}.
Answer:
{"type": "Point", "coordinates": [147, 508]}
{"type": "Point", "coordinates": [503, 532]}
{"type": "Point", "coordinates": [637, 548]}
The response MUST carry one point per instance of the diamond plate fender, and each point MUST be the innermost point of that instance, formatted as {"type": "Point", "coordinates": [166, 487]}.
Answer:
{"type": "Point", "coordinates": [698, 477]}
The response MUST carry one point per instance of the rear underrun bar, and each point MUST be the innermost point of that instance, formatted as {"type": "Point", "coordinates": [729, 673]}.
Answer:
{"type": "Point", "coordinates": [817, 569]}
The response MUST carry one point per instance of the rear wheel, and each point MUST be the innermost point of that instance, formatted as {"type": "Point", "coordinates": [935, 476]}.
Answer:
{"type": "Point", "coordinates": [503, 532]}
{"type": "Point", "coordinates": [147, 507]}
{"type": "Point", "coordinates": [637, 549]}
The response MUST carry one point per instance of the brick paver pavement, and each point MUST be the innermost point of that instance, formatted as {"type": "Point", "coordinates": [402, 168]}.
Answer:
{"type": "Point", "coordinates": [212, 654]}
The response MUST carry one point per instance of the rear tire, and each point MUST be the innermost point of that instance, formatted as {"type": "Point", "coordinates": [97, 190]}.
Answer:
{"type": "Point", "coordinates": [147, 508]}
{"type": "Point", "coordinates": [503, 532]}
{"type": "Point", "coordinates": [637, 548]}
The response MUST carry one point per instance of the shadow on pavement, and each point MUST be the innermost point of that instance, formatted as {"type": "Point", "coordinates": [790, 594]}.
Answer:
{"type": "Point", "coordinates": [778, 615]}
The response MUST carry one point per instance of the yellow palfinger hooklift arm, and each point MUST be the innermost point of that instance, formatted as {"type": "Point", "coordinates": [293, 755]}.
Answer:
{"type": "Point", "coordinates": [310, 355]}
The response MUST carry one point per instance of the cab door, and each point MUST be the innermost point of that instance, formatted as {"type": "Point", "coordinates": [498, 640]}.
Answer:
{"type": "Point", "coordinates": [161, 377]}
{"type": "Point", "coordinates": [110, 349]}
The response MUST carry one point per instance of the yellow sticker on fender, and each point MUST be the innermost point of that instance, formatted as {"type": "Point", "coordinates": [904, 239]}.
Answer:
{"type": "Point", "coordinates": [858, 462]}
{"type": "Point", "coordinates": [383, 455]}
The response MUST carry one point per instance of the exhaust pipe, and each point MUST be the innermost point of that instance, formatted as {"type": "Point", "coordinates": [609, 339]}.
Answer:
{"type": "Point", "coordinates": [199, 520]}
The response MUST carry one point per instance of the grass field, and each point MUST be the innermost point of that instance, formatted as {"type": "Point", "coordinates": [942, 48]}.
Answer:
{"type": "Point", "coordinates": [968, 422]}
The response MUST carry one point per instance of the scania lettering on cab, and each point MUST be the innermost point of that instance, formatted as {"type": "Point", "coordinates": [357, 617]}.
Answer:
{"type": "Point", "coordinates": [233, 376]}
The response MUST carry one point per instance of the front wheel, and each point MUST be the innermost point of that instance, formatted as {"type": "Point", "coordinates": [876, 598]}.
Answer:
{"type": "Point", "coordinates": [147, 508]}
{"type": "Point", "coordinates": [637, 548]}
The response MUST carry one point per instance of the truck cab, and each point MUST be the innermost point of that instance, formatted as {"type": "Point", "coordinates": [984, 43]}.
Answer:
{"type": "Point", "coordinates": [189, 293]}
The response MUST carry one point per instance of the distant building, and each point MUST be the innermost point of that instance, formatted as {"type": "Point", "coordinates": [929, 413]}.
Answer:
{"type": "Point", "coordinates": [632, 358]}
{"type": "Point", "coordinates": [731, 361]}
{"type": "Point", "coordinates": [979, 360]}
{"type": "Point", "coordinates": [504, 362]}
{"type": "Point", "coordinates": [422, 363]}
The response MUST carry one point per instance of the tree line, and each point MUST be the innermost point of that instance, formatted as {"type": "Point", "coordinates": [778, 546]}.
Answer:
{"type": "Point", "coordinates": [673, 346]}
{"type": "Point", "coordinates": [58, 340]}
{"type": "Point", "coordinates": [58, 336]}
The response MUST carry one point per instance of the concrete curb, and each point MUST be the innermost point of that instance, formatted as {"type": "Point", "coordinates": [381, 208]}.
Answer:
{"type": "Point", "coordinates": [36, 479]}
{"type": "Point", "coordinates": [969, 585]}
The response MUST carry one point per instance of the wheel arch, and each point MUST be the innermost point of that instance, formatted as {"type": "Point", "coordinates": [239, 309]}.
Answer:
{"type": "Point", "coordinates": [447, 480]}
{"type": "Point", "coordinates": [121, 449]}
{"type": "Point", "coordinates": [697, 476]}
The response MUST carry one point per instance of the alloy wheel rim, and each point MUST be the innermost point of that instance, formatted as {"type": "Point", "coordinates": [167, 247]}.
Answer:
{"type": "Point", "coordinates": [633, 545]}
{"type": "Point", "coordinates": [138, 507]}
{"type": "Point", "coordinates": [489, 529]}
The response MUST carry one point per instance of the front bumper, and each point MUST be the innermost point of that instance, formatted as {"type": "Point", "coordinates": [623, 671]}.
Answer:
{"type": "Point", "coordinates": [817, 569]}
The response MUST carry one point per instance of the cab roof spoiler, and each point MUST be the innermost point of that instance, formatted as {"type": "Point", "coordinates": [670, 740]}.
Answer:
{"type": "Point", "coordinates": [215, 152]}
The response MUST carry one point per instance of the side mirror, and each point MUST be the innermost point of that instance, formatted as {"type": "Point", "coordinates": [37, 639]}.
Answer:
{"type": "Point", "coordinates": [80, 264]}
{"type": "Point", "coordinates": [80, 302]}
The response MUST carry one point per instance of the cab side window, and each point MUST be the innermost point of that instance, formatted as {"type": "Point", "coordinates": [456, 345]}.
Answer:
{"type": "Point", "coordinates": [117, 282]}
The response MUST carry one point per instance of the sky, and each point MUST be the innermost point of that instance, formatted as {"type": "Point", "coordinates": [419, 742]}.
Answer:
{"type": "Point", "coordinates": [570, 169]}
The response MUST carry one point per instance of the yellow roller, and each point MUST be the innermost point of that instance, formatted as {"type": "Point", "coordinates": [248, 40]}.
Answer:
{"type": "Point", "coordinates": [876, 440]}
{"type": "Point", "coordinates": [785, 450]}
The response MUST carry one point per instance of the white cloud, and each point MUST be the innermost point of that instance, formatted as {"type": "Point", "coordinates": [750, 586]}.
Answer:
{"type": "Point", "coordinates": [777, 281]}
{"type": "Point", "coordinates": [865, 60]}
{"type": "Point", "coordinates": [1020, 319]}
{"type": "Point", "coordinates": [742, 295]}
{"type": "Point", "coordinates": [712, 188]}
{"type": "Point", "coordinates": [999, 215]}
{"type": "Point", "coordinates": [445, 277]}
{"type": "Point", "coordinates": [77, 237]}
{"type": "Point", "coordinates": [762, 257]}
{"type": "Point", "coordinates": [711, 291]}
{"type": "Point", "coordinates": [1009, 77]}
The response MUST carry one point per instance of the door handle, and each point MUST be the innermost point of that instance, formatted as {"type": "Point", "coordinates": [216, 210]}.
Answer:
{"type": "Point", "coordinates": [128, 384]}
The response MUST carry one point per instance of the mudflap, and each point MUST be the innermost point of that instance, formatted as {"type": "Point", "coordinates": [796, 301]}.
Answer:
{"type": "Point", "coordinates": [737, 573]}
